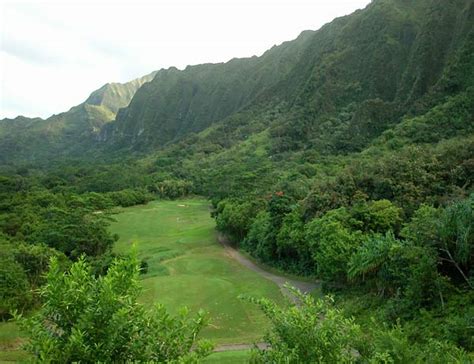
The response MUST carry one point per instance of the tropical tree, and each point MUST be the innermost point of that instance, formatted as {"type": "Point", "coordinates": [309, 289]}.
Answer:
{"type": "Point", "coordinates": [373, 258]}
{"type": "Point", "coordinates": [14, 286]}
{"type": "Point", "coordinates": [450, 231]}
{"type": "Point", "coordinates": [333, 240]}
{"type": "Point", "coordinates": [456, 238]}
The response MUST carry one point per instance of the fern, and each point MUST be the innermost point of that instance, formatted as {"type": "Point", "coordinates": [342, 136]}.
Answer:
{"type": "Point", "coordinates": [372, 256]}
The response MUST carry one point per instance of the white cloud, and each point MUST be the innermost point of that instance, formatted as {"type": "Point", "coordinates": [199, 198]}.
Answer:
{"type": "Point", "coordinates": [53, 54]}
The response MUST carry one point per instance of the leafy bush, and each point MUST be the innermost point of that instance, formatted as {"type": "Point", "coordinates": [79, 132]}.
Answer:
{"type": "Point", "coordinates": [450, 231]}
{"type": "Point", "coordinates": [257, 241]}
{"type": "Point", "coordinates": [456, 238]}
{"type": "Point", "coordinates": [234, 217]}
{"type": "Point", "coordinates": [308, 331]}
{"type": "Point", "coordinates": [313, 330]}
{"type": "Point", "coordinates": [378, 216]}
{"type": "Point", "coordinates": [73, 231]}
{"type": "Point", "coordinates": [292, 246]}
{"type": "Point", "coordinates": [88, 319]}
{"type": "Point", "coordinates": [333, 242]}
{"type": "Point", "coordinates": [393, 346]}
{"type": "Point", "coordinates": [34, 258]}
{"type": "Point", "coordinates": [398, 268]}
{"type": "Point", "coordinates": [14, 286]}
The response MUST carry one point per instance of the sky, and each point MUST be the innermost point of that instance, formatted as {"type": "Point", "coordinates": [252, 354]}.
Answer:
{"type": "Point", "coordinates": [54, 54]}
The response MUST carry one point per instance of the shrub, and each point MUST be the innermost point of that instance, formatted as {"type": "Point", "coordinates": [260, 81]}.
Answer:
{"type": "Point", "coordinates": [333, 242]}
{"type": "Point", "coordinates": [14, 286]}
{"type": "Point", "coordinates": [92, 319]}
{"type": "Point", "coordinates": [308, 331]}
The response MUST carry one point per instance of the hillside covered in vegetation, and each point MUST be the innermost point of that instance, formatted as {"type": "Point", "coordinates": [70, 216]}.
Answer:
{"type": "Point", "coordinates": [345, 155]}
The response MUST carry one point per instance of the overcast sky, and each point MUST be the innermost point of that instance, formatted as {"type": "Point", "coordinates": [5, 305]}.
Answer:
{"type": "Point", "coordinates": [54, 54]}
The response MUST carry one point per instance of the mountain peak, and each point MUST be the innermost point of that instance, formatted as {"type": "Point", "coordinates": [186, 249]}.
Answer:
{"type": "Point", "coordinates": [114, 96]}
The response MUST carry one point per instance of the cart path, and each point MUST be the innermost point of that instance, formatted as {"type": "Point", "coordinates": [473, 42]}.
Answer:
{"type": "Point", "coordinates": [239, 347]}
{"type": "Point", "coordinates": [280, 281]}
{"type": "Point", "coordinates": [303, 286]}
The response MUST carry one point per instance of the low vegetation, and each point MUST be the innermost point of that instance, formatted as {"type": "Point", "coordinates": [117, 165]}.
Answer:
{"type": "Point", "coordinates": [89, 319]}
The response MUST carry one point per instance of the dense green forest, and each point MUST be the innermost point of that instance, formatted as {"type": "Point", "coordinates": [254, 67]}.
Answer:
{"type": "Point", "coordinates": [345, 155]}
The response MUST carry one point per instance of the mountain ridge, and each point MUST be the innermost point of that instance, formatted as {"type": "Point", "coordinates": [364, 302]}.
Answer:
{"type": "Point", "coordinates": [69, 132]}
{"type": "Point", "coordinates": [362, 71]}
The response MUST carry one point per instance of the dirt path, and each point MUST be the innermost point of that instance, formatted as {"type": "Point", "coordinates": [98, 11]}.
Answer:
{"type": "Point", "coordinates": [303, 286]}
{"type": "Point", "coordinates": [238, 347]}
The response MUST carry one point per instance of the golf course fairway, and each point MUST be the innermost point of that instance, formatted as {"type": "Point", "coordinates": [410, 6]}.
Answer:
{"type": "Point", "coordinates": [188, 267]}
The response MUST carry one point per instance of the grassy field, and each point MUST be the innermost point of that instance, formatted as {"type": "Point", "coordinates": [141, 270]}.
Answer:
{"type": "Point", "coordinates": [10, 341]}
{"type": "Point", "coordinates": [228, 357]}
{"type": "Point", "coordinates": [188, 267]}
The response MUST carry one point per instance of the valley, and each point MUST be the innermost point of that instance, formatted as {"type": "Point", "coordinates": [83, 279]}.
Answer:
{"type": "Point", "coordinates": [345, 155]}
{"type": "Point", "coordinates": [188, 267]}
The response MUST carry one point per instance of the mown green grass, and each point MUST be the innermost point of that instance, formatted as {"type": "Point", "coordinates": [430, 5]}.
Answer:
{"type": "Point", "coordinates": [188, 267]}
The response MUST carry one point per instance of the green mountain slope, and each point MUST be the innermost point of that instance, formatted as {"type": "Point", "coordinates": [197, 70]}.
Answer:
{"type": "Point", "coordinates": [67, 133]}
{"type": "Point", "coordinates": [178, 102]}
{"type": "Point", "coordinates": [371, 85]}
{"type": "Point", "coordinates": [328, 92]}
{"type": "Point", "coordinates": [332, 90]}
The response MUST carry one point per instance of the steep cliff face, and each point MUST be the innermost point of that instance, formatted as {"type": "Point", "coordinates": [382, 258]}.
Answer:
{"type": "Point", "coordinates": [114, 96]}
{"type": "Point", "coordinates": [385, 57]}
{"type": "Point", "coordinates": [362, 73]}
{"type": "Point", "coordinates": [333, 90]}
{"type": "Point", "coordinates": [178, 102]}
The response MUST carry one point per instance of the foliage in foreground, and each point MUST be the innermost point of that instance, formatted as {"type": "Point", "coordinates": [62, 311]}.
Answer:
{"type": "Point", "coordinates": [313, 330]}
{"type": "Point", "coordinates": [22, 268]}
{"type": "Point", "coordinates": [90, 319]}
{"type": "Point", "coordinates": [309, 331]}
